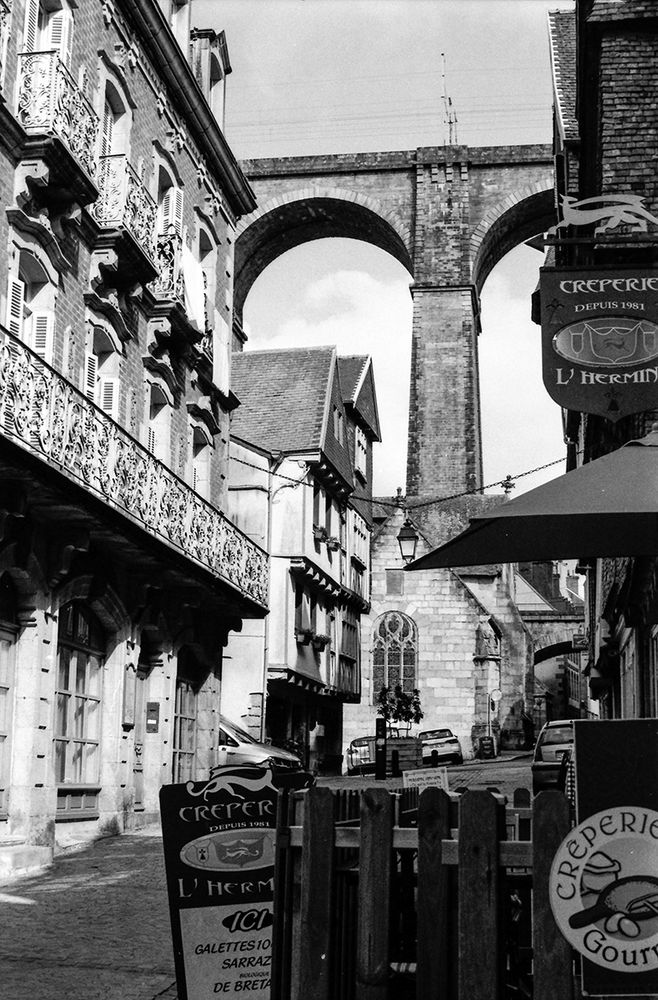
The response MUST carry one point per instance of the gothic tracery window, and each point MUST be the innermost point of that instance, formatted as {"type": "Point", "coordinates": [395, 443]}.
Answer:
{"type": "Point", "coordinates": [394, 652]}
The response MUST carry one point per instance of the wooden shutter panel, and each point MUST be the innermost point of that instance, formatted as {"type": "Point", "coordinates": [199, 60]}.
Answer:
{"type": "Point", "coordinates": [43, 329]}
{"type": "Point", "coordinates": [31, 26]}
{"type": "Point", "coordinates": [91, 375]}
{"type": "Point", "coordinates": [15, 304]}
{"type": "Point", "coordinates": [108, 396]}
{"type": "Point", "coordinates": [107, 130]}
{"type": "Point", "coordinates": [60, 32]}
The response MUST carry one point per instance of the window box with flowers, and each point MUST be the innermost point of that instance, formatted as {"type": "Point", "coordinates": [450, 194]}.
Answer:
{"type": "Point", "coordinates": [303, 636]}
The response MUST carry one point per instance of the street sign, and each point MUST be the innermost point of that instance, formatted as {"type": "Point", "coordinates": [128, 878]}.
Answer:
{"type": "Point", "coordinates": [426, 777]}
{"type": "Point", "coordinates": [604, 878]}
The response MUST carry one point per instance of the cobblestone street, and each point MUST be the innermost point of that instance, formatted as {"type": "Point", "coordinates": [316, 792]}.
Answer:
{"type": "Point", "coordinates": [95, 925]}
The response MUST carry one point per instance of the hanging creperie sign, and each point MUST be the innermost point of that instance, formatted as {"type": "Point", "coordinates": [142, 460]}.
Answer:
{"type": "Point", "coordinates": [600, 339]}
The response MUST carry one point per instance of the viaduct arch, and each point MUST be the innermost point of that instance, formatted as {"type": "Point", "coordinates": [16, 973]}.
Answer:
{"type": "Point", "coordinates": [448, 214]}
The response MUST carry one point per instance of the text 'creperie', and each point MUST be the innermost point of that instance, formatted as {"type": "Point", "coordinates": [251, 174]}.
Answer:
{"type": "Point", "coordinates": [227, 811]}
{"type": "Point", "coordinates": [596, 286]}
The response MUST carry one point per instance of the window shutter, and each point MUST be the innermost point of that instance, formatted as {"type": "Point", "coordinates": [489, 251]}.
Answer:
{"type": "Point", "coordinates": [31, 26]}
{"type": "Point", "coordinates": [43, 330]}
{"type": "Point", "coordinates": [107, 130]}
{"type": "Point", "coordinates": [172, 210]}
{"type": "Point", "coordinates": [60, 31]}
{"type": "Point", "coordinates": [108, 396]}
{"type": "Point", "coordinates": [152, 441]}
{"type": "Point", "coordinates": [91, 375]}
{"type": "Point", "coordinates": [15, 304]}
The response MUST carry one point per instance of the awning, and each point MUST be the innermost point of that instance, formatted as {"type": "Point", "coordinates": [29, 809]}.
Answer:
{"type": "Point", "coordinates": [608, 507]}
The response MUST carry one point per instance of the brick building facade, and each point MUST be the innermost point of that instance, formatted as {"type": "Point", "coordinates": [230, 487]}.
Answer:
{"type": "Point", "coordinates": [120, 580]}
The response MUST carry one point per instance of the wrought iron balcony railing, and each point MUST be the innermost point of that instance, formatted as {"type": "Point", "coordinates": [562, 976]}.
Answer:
{"type": "Point", "coordinates": [170, 283]}
{"type": "Point", "coordinates": [54, 421]}
{"type": "Point", "coordinates": [125, 202]}
{"type": "Point", "coordinates": [50, 101]}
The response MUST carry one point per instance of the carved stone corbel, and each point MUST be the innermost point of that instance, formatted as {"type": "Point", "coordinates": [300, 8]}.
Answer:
{"type": "Point", "coordinates": [69, 543]}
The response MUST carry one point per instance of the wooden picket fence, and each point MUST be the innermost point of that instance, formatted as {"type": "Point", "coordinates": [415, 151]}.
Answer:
{"type": "Point", "coordinates": [389, 896]}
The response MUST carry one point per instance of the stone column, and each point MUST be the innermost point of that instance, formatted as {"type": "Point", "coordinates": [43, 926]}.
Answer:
{"type": "Point", "coordinates": [445, 445]}
{"type": "Point", "coordinates": [486, 678]}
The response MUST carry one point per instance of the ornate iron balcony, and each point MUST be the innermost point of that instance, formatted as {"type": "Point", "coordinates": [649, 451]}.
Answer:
{"type": "Point", "coordinates": [125, 202]}
{"type": "Point", "coordinates": [169, 260]}
{"type": "Point", "coordinates": [50, 101]}
{"type": "Point", "coordinates": [54, 421]}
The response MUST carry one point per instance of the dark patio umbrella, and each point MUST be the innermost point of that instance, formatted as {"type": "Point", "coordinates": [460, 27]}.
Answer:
{"type": "Point", "coordinates": [608, 507]}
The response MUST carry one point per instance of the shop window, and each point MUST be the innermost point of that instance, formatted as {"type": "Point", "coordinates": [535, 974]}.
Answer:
{"type": "Point", "coordinates": [185, 719]}
{"type": "Point", "coordinates": [394, 653]}
{"type": "Point", "coordinates": [80, 657]}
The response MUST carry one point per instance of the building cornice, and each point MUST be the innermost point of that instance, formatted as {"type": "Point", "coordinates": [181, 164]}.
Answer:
{"type": "Point", "coordinates": [166, 54]}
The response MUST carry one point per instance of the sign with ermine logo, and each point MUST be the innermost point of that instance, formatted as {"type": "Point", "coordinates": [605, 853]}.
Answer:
{"type": "Point", "coordinates": [218, 838]}
{"type": "Point", "coordinates": [600, 339]}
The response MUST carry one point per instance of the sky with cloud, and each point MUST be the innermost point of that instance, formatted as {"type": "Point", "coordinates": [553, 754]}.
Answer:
{"type": "Point", "coordinates": [313, 76]}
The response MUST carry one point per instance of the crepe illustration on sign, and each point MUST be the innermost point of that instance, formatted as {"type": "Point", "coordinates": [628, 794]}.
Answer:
{"type": "Point", "coordinates": [608, 341]}
{"type": "Point", "coordinates": [230, 850]}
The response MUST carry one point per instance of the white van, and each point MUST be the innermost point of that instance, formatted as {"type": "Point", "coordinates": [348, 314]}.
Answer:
{"type": "Point", "coordinates": [236, 746]}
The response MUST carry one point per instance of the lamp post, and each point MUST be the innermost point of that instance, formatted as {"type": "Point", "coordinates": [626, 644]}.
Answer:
{"type": "Point", "coordinates": [407, 540]}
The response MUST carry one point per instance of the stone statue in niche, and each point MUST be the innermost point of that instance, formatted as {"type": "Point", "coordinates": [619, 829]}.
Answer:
{"type": "Point", "coordinates": [487, 643]}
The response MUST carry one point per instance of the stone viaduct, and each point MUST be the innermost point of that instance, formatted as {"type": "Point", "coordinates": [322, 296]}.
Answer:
{"type": "Point", "coordinates": [448, 214]}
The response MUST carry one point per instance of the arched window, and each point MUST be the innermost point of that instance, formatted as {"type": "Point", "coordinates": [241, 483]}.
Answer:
{"type": "Point", "coordinates": [8, 629]}
{"type": "Point", "coordinates": [80, 652]}
{"type": "Point", "coordinates": [394, 653]}
{"type": "Point", "coordinates": [102, 368]}
{"type": "Point", "coordinates": [158, 427]}
{"type": "Point", "coordinates": [115, 130]}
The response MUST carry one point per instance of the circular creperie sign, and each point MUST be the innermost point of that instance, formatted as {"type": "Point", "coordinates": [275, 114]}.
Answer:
{"type": "Point", "coordinates": [604, 889]}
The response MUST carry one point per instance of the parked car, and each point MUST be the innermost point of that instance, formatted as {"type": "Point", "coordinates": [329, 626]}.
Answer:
{"type": "Point", "coordinates": [444, 742]}
{"type": "Point", "coordinates": [237, 746]}
{"type": "Point", "coordinates": [360, 754]}
{"type": "Point", "coordinates": [555, 742]}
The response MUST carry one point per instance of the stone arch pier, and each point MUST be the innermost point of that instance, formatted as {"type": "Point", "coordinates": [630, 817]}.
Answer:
{"type": "Point", "coordinates": [448, 214]}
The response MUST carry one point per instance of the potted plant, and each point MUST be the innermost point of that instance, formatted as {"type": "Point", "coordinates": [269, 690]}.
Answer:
{"type": "Point", "coordinates": [320, 641]}
{"type": "Point", "coordinates": [333, 543]}
{"type": "Point", "coordinates": [401, 708]}
{"type": "Point", "coordinates": [319, 533]}
{"type": "Point", "coordinates": [303, 636]}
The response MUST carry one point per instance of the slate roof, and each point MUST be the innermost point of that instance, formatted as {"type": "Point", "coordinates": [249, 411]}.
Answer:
{"type": "Point", "coordinates": [562, 33]}
{"type": "Point", "coordinates": [285, 399]}
{"type": "Point", "coordinates": [619, 10]}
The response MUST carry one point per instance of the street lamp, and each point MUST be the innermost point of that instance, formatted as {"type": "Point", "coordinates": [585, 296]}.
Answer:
{"type": "Point", "coordinates": [407, 540]}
